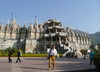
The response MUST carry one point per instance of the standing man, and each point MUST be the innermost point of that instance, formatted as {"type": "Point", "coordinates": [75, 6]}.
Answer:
{"type": "Point", "coordinates": [52, 54]}
{"type": "Point", "coordinates": [91, 56]}
{"type": "Point", "coordinates": [18, 56]}
{"type": "Point", "coordinates": [9, 56]}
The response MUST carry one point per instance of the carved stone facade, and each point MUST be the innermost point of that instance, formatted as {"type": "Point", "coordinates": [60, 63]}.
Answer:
{"type": "Point", "coordinates": [64, 39]}
{"type": "Point", "coordinates": [41, 36]}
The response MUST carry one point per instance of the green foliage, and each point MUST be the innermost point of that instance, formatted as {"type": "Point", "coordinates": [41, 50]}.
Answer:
{"type": "Point", "coordinates": [92, 46]}
{"type": "Point", "coordinates": [34, 55]}
{"type": "Point", "coordinates": [6, 55]}
{"type": "Point", "coordinates": [60, 55]}
{"type": "Point", "coordinates": [14, 50]}
{"type": "Point", "coordinates": [3, 54]}
{"type": "Point", "coordinates": [98, 45]}
{"type": "Point", "coordinates": [97, 53]}
{"type": "Point", "coordinates": [97, 60]}
{"type": "Point", "coordinates": [97, 63]}
{"type": "Point", "coordinates": [24, 55]}
{"type": "Point", "coordinates": [82, 50]}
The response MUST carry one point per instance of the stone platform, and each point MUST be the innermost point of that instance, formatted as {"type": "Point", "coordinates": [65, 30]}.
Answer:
{"type": "Point", "coordinates": [38, 64]}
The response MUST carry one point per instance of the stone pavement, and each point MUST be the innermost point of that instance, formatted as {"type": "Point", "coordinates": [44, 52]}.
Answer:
{"type": "Point", "coordinates": [33, 64]}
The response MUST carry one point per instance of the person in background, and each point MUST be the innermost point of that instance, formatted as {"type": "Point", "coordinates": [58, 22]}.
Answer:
{"type": "Point", "coordinates": [85, 54]}
{"type": "Point", "coordinates": [52, 54]}
{"type": "Point", "coordinates": [91, 55]}
{"type": "Point", "coordinates": [9, 56]}
{"type": "Point", "coordinates": [18, 55]}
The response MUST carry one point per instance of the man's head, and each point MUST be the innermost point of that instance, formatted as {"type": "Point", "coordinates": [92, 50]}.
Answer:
{"type": "Point", "coordinates": [91, 50]}
{"type": "Point", "coordinates": [53, 46]}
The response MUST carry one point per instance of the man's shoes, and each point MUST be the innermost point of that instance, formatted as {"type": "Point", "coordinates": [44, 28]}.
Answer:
{"type": "Point", "coordinates": [10, 61]}
{"type": "Point", "coordinates": [49, 69]}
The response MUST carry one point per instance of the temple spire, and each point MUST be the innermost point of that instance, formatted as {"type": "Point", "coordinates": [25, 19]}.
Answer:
{"type": "Point", "coordinates": [35, 18]}
{"type": "Point", "coordinates": [36, 22]}
{"type": "Point", "coordinates": [11, 15]}
{"type": "Point", "coordinates": [68, 24]}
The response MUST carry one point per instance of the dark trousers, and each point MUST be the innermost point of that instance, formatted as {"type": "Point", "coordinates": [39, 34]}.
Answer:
{"type": "Point", "coordinates": [18, 59]}
{"type": "Point", "coordinates": [9, 58]}
{"type": "Point", "coordinates": [91, 61]}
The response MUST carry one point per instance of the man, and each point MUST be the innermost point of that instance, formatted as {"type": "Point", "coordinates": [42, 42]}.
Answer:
{"type": "Point", "coordinates": [52, 54]}
{"type": "Point", "coordinates": [91, 56]}
{"type": "Point", "coordinates": [18, 56]}
{"type": "Point", "coordinates": [9, 55]}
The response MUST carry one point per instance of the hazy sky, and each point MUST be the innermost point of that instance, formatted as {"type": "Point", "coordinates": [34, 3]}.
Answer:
{"type": "Point", "coordinates": [83, 15]}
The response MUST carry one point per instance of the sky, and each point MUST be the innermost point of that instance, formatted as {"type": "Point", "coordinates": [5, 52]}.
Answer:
{"type": "Point", "coordinates": [83, 15]}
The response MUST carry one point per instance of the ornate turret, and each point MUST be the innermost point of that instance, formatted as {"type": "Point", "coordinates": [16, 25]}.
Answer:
{"type": "Point", "coordinates": [24, 32]}
{"type": "Point", "coordinates": [13, 27]}
{"type": "Point", "coordinates": [68, 30]}
{"type": "Point", "coordinates": [1, 27]}
{"type": "Point", "coordinates": [37, 30]}
{"type": "Point", "coordinates": [13, 21]}
{"type": "Point", "coordinates": [73, 38]}
{"type": "Point", "coordinates": [31, 32]}
{"type": "Point", "coordinates": [2, 30]}
{"type": "Point", "coordinates": [7, 32]}
{"type": "Point", "coordinates": [18, 32]}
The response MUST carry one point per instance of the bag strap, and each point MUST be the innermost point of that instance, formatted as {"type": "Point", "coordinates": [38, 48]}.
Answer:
{"type": "Point", "coordinates": [50, 51]}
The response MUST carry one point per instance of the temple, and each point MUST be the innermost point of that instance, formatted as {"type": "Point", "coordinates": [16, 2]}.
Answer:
{"type": "Point", "coordinates": [39, 37]}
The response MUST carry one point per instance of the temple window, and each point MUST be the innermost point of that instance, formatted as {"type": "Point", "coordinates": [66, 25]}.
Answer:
{"type": "Point", "coordinates": [57, 39]}
{"type": "Point", "coordinates": [47, 39]}
{"type": "Point", "coordinates": [54, 39]}
{"type": "Point", "coordinates": [47, 46]}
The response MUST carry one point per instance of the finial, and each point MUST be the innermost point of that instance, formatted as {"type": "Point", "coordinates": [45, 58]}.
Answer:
{"type": "Point", "coordinates": [68, 24]}
{"type": "Point", "coordinates": [35, 18]}
{"type": "Point", "coordinates": [11, 15]}
{"type": "Point", "coordinates": [36, 22]}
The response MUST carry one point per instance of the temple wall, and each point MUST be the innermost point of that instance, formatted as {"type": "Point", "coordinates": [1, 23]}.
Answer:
{"type": "Point", "coordinates": [7, 43]}
{"type": "Point", "coordinates": [2, 35]}
{"type": "Point", "coordinates": [30, 45]}
{"type": "Point", "coordinates": [13, 36]}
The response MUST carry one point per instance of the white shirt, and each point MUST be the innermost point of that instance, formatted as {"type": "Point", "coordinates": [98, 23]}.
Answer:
{"type": "Point", "coordinates": [53, 52]}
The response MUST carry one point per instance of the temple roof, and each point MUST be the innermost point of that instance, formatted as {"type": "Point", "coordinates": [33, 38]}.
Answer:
{"type": "Point", "coordinates": [55, 34]}
{"type": "Point", "coordinates": [56, 27]}
{"type": "Point", "coordinates": [53, 20]}
{"type": "Point", "coordinates": [62, 34]}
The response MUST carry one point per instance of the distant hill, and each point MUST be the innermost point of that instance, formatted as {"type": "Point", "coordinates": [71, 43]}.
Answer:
{"type": "Point", "coordinates": [78, 31]}
{"type": "Point", "coordinates": [95, 38]}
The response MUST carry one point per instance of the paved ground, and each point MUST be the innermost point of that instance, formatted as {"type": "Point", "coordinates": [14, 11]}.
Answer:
{"type": "Point", "coordinates": [30, 64]}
